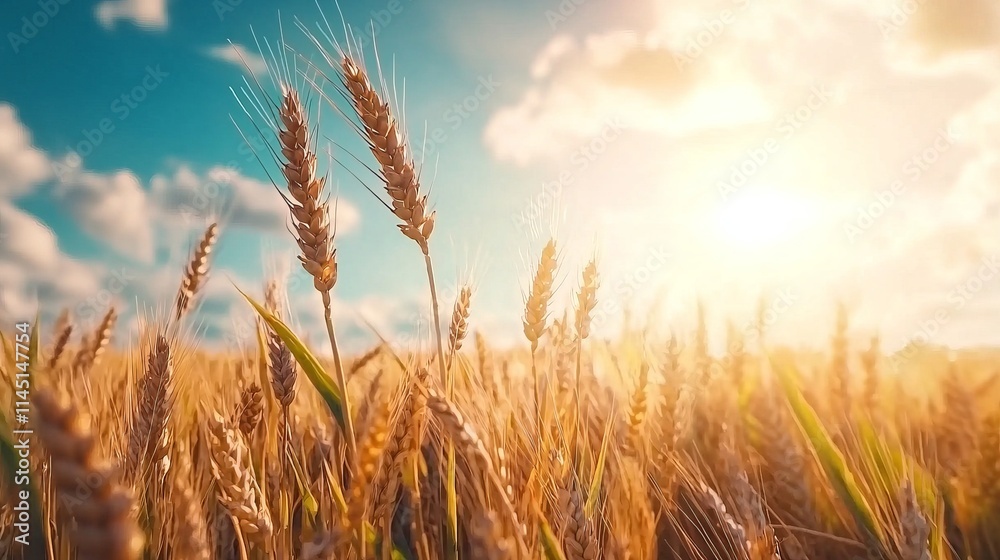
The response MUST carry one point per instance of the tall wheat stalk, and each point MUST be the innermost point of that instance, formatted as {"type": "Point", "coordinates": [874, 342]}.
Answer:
{"type": "Point", "coordinates": [586, 301]}
{"type": "Point", "coordinates": [402, 183]}
{"type": "Point", "coordinates": [536, 314]}
{"type": "Point", "coordinates": [310, 215]}
{"type": "Point", "coordinates": [400, 177]}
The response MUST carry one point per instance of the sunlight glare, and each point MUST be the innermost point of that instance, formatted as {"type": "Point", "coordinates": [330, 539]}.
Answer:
{"type": "Point", "coordinates": [763, 219]}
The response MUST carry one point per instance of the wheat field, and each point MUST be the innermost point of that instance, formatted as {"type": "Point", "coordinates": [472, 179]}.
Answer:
{"type": "Point", "coordinates": [569, 447]}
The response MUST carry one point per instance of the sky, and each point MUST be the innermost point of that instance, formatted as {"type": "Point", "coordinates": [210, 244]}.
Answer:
{"type": "Point", "coordinates": [803, 152]}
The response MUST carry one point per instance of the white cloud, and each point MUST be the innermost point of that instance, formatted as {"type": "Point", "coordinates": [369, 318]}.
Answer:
{"type": "Point", "coordinates": [22, 165]}
{"type": "Point", "coordinates": [550, 55]}
{"type": "Point", "coordinates": [112, 207]}
{"type": "Point", "coordinates": [240, 56]}
{"type": "Point", "coordinates": [688, 125]}
{"type": "Point", "coordinates": [936, 38]}
{"type": "Point", "coordinates": [240, 200]}
{"type": "Point", "coordinates": [26, 240]}
{"type": "Point", "coordinates": [578, 84]}
{"type": "Point", "coordinates": [148, 14]}
{"type": "Point", "coordinates": [35, 271]}
{"type": "Point", "coordinates": [697, 66]}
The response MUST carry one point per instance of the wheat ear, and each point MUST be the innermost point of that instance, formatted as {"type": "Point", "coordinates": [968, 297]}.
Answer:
{"type": "Point", "coordinates": [361, 485]}
{"type": "Point", "coordinates": [586, 301]}
{"type": "Point", "coordinates": [387, 144]}
{"type": "Point", "coordinates": [251, 409]}
{"type": "Point", "coordinates": [365, 359]}
{"type": "Point", "coordinates": [465, 435]}
{"type": "Point", "coordinates": [63, 330]}
{"type": "Point", "coordinates": [148, 438]}
{"type": "Point", "coordinates": [100, 523]}
{"type": "Point", "coordinates": [196, 272]}
{"type": "Point", "coordinates": [536, 314]}
{"type": "Point", "coordinates": [459, 327]}
{"type": "Point", "coordinates": [401, 446]}
{"type": "Point", "coordinates": [311, 220]}
{"type": "Point", "coordinates": [93, 347]}
{"type": "Point", "coordinates": [239, 492]}
{"type": "Point", "coordinates": [579, 541]}
{"type": "Point", "coordinates": [399, 174]}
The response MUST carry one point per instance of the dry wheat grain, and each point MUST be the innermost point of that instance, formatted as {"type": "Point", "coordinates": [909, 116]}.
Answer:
{"type": "Point", "coordinates": [238, 491]}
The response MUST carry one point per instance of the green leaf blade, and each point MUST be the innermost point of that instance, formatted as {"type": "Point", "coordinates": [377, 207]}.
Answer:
{"type": "Point", "coordinates": [310, 365]}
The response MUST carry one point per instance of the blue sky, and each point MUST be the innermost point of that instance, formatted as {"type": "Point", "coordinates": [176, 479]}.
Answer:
{"type": "Point", "coordinates": [696, 151]}
{"type": "Point", "coordinates": [75, 70]}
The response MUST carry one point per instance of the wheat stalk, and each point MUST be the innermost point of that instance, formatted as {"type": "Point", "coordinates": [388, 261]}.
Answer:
{"type": "Point", "coordinates": [93, 347]}
{"type": "Point", "coordinates": [459, 327]}
{"type": "Point", "coordinates": [387, 144]}
{"type": "Point", "coordinates": [535, 316]}
{"type": "Point", "coordinates": [251, 409]}
{"type": "Point", "coordinates": [913, 526]}
{"type": "Point", "coordinates": [98, 522]}
{"type": "Point", "coordinates": [238, 491]}
{"type": "Point", "coordinates": [191, 527]}
{"type": "Point", "coordinates": [63, 330]}
{"type": "Point", "coordinates": [402, 183]}
{"type": "Point", "coordinates": [311, 220]}
{"type": "Point", "coordinates": [148, 437]}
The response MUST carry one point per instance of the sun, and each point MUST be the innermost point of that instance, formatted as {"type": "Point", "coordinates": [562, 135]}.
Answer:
{"type": "Point", "coordinates": [760, 239]}
{"type": "Point", "coordinates": [763, 219]}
